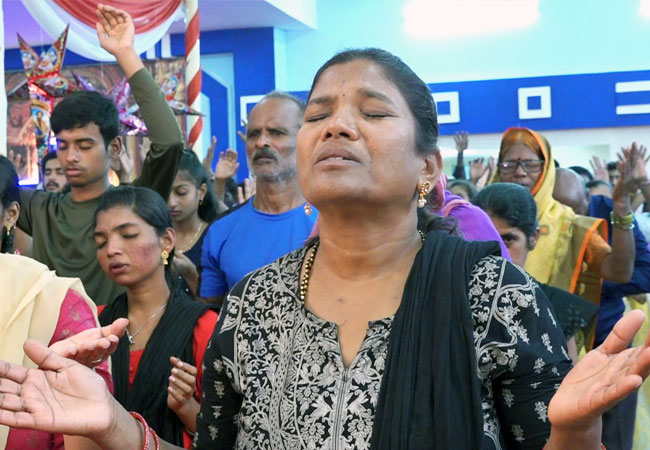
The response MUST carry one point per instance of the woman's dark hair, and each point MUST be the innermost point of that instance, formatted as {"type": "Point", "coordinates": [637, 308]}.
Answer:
{"type": "Point", "coordinates": [145, 202]}
{"type": "Point", "coordinates": [420, 102]}
{"type": "Point", "coordinates": [84, 107]}
{"type": "Point", "coordinates": [582, 172]}
{"type": "Point", "coordinates": [9, 193]}
{"type": "Point", "coordinates": [190, 168]}
{"type": "Point", "coordinates": [413, 89]}
{"type": "Point", "coordinates": [150, 207]}
{"type": "Point", "coordinates": [512, 203]}
{"type": "Point", "coordinates": [468, 187]}
{"type": "Point", "coordinates": [595, 183]}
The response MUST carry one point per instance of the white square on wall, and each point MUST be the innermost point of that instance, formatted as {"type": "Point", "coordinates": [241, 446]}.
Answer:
{"type": "Point", "coordinates": [544, 111]}
{"type": "Point", "coordinates": [454, 106]}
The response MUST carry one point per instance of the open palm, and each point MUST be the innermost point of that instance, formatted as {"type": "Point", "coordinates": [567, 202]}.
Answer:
{"type": "Point", "coordinates": [115, 28]}
{"type": "Point", "coordinates": [62, 396]}
{"type": "Point", "coordinates": [602, 378]}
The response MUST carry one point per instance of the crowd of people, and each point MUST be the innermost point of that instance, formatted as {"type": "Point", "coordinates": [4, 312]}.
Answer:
{"type": "Point", "coordinates": [350, 297]}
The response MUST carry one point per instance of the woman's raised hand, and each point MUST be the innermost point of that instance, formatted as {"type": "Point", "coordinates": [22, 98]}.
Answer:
{"type": "Point", "coordinates": [62, 396]}
{"type": "Point", "coordinates": [93, 346]}
{"type": "Point", "coordinates": [601, 379]}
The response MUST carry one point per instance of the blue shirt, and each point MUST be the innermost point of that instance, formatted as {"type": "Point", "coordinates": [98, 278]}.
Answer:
{"type": "Point", "coordinates": [247, 239]}
{"type": "Point", "coordinates": [611, 299]}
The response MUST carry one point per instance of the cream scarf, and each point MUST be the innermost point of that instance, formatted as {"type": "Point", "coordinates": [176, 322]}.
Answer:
{"type": "Point", "coordinates": [30, 303]}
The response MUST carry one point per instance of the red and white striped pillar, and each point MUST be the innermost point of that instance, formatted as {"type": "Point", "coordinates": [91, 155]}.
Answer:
{"type": "Point", "coordinates": [193, 74]}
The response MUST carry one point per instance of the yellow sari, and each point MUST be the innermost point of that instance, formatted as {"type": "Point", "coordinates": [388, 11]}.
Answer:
{"type": "Point", "coordinates": [560, 257]}
{"type": "Point", "coordinates": [30, 303]}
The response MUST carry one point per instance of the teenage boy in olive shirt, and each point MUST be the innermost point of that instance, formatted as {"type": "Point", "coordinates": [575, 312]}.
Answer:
{"type": "Point", "coordinates": [86, 128]}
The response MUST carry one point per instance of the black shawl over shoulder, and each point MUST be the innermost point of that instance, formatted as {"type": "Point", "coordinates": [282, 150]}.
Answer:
{"type": "Point", "coordinates": [171, 337]}
{"type": "Point", "coordinates": [430, 392]}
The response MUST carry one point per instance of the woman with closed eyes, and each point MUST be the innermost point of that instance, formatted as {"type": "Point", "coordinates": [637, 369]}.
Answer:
{"type": "Point", "coordinates": [157, 364]}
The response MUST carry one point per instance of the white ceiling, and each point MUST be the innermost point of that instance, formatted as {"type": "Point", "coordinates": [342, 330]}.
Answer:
{"type": "Point", "coordinates": [215, 15]}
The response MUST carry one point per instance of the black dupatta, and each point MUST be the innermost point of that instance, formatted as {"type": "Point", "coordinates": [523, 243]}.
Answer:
{"type": "Point", "coordinates": [430, 392]}
{"type": "Point", "coordinates": [171, 337]}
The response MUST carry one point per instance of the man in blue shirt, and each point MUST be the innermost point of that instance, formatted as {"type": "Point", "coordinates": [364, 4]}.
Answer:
{"type": "Point", "coordinates": [273, 222]}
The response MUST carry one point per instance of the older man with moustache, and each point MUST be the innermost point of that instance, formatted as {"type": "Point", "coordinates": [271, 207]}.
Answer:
{"type": "Point", "coordinates": [276, 220]}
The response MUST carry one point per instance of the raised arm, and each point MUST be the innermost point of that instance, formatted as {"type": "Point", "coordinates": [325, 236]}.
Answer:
{"type": "Point", "coordinates": [618, 266]}
{"type": "Point", "coordinates": [115, 31]}
{"type": "Point", "coordinates": [461, 139]}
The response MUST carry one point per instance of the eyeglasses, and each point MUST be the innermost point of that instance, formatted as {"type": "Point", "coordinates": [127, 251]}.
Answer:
{"type": "Point", "coordinates": [529, 165]}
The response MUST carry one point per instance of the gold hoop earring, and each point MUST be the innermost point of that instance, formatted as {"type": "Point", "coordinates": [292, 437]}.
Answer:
{"type": "Point", "coordinates": [308, 210]}
{"type": "Point", "coordinates": [164, 255]}
{"type": "Point", "coordinates": [424, 191]}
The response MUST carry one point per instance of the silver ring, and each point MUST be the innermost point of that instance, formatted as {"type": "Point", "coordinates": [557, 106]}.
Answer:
{"type": "Point", "coordinates": [97, 361]}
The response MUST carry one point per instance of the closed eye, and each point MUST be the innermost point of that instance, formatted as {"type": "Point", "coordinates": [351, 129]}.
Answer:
{"type": "Point", "coordinates": [376, 115]}
{"type": "Point", "coordinates": [315, 118]}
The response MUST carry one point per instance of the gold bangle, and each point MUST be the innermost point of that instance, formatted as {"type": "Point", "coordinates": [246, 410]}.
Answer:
{"type": "Point", "coordinates": [621, 220]}
{"type": "Point", "coordinates": [625, 222]}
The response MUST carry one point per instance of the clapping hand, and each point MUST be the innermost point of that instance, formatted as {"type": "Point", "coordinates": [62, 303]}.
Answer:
{"type": "Point", "coordinates": [605, 376]}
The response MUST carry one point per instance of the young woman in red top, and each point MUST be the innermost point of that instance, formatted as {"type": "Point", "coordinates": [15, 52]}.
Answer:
{"type": "Point", "coordinates": [155, 365]}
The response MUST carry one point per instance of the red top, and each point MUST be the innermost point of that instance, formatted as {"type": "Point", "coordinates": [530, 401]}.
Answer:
{"type": "Point", "coordinates": [202, 334]}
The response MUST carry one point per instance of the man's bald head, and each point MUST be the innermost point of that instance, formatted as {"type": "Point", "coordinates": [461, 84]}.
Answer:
{"type": "Point", "coordinates": [570, 190]}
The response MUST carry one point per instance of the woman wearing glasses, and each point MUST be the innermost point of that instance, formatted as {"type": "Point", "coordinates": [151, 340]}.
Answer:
{"type": "Point", "coordinates": [572, 253]}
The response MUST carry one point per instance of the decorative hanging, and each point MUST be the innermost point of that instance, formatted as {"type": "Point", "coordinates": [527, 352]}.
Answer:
{"type": "Point", "coordinates": [152, 19]}
{"type": "Point", "coordinates": [44, 85]}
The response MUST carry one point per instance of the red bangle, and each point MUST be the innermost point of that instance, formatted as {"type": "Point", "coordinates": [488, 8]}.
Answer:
{"type": "Point", "coordinates": [157, 447]}
{"type": "Point", "coordinates": [147, 436]}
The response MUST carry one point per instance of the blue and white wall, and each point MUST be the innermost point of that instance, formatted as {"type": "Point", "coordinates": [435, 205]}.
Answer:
{"type": "Point", "coordinates": [577, 70]}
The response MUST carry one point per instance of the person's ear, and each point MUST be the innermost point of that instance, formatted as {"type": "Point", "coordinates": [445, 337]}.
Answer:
{"type": "Point", "coordinates": [431, 170]}
{"type": "Point", "coordinates": [168, 240]}
{"type": "Point", "coordinates": [11, 214]}
{"type": "Point", "coordinates": [203, 190]}
{"type": "Point", "coordinates": [532, 241]}
{"type": "Point", "coordinates": [115, 147]}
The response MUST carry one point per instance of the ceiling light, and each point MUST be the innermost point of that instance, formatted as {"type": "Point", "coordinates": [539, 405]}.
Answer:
{"type": "Point", "coordinates": [645, 8]}
{"type": "Point", "coordinates": [452, 18]}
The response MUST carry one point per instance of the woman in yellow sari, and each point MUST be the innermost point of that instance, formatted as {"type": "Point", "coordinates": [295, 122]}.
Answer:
{"type": "Point", "coordinates": [36, 304]}
{"type": "Point", "coordinates": [572, 253]}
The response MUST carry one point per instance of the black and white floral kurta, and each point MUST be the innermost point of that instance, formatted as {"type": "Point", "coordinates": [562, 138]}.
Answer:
{"type": "Point", "coordinates": [274, 376]}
